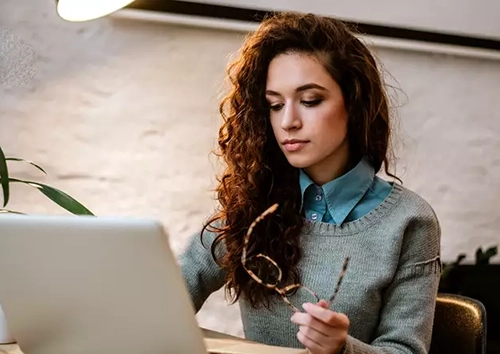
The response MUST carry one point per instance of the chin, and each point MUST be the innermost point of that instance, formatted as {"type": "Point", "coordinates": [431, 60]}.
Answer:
{"type": "Point", "coordinates": [298, 161]}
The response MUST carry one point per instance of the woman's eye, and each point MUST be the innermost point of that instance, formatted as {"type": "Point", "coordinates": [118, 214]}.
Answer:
{"type": "Point", "coordinates": [312, 103]}
{"type": "Point", "coordinates": [275, 107]}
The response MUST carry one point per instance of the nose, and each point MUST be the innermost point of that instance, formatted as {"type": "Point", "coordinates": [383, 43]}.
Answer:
{"type": "Point", "coordinates": [290, 118]}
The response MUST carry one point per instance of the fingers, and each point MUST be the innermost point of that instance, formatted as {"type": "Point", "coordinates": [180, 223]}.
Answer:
{"type": "Point", "coordinates": [326, 315]}
{"type": "Point", "coordinates": [321, 330]}
{"type": "Point", "coordinates": [311, 344]}
{"type": "Point", "coordinates": [324, 304]}
{"type": "Point", "coordinates": [305, 320]}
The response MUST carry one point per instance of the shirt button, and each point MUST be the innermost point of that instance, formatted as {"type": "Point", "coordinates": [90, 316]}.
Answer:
{"type": "Point", "coordinates": [318, 197]}
{"type": "Point", "coordinates": [314, 216]}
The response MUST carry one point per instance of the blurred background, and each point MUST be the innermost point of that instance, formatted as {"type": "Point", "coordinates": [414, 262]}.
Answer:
{"type": "Point", "coordinates": [122, 111]}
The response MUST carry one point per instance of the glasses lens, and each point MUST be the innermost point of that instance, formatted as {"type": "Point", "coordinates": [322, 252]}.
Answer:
{"type": "Point", "coordinates": [264, 269]}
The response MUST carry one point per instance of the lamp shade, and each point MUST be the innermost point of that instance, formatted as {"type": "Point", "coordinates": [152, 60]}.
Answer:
{"type": "Point", "coordinates": [85, 10]}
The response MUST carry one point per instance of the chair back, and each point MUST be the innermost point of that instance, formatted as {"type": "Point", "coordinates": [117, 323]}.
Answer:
{"type": "Point", "coordinates": [459, 325]}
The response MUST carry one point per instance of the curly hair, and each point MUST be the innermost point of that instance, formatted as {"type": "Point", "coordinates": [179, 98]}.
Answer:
{"type": "Point", "coordinates": [257, 173]}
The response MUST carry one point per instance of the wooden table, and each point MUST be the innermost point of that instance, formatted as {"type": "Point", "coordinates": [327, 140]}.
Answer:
{"type": "Point", "coordinates": [235, 345]}
{"type": "Point", "coordinates": [207, 333]}
{"type": "Point", "coordinates": [10, 349]}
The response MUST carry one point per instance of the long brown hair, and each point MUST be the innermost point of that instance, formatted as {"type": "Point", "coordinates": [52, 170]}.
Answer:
{"type": "Point", "coordinates": [257, 173]}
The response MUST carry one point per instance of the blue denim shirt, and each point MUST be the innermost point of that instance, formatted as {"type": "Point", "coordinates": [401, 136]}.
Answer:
{"type": "Point", "coordinates": [345, 198]}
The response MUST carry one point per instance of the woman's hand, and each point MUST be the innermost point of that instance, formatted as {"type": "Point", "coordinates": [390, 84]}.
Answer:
{"type": "Point", "coordinates": [321, 331]}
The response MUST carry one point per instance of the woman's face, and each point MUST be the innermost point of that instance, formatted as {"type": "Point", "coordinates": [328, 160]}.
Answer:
{"type": "Point", "coordinates": [308, 115]}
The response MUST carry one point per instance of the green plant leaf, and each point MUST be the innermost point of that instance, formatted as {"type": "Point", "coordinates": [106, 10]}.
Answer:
{"type": "Point", "coordinates": [460, 258]}
{"type": "Point", "coordinates": [4, 211]}
{"type": "Point", "coordinates": [57, 196]}
{"type": "Point", "coordinates": [483, 258]}
{"type": "Point", "coordinates": [23, 160]}
{"type": "Point", "coordinates": [4, 178]}
{"type": "Point", "coordinates": [479, 255]}
{"type": "Point", "coordinates": [492, 250]}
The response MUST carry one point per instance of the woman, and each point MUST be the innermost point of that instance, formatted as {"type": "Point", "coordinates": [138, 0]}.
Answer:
{"type": "Point", "coordinates": [306, 126]}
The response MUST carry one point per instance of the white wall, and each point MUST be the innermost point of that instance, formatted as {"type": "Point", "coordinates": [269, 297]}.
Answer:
{"type": "Point", "coordinates": [123, 115]}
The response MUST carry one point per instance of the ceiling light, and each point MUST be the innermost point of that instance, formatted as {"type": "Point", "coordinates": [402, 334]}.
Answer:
{"type": "Point", "coordinates": [85, 10]}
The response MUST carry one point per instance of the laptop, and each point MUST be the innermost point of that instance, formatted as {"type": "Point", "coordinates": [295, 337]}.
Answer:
{"type": "Point", "coordinates": [84, 284]}
{"type": "Point", "coordinates": [88, 284]}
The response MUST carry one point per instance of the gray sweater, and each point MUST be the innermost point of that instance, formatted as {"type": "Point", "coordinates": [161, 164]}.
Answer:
{"type": "Point", "coordinates": [389, 289]}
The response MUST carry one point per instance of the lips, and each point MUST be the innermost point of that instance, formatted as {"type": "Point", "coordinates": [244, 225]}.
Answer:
{"type": "Point", "coordinates": [293, 145]}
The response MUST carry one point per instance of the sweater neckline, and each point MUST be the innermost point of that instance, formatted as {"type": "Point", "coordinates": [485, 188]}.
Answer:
{"type": "Point", "coordinates": [320, 228]}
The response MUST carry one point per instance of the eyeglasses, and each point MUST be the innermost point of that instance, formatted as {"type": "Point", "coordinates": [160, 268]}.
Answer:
{"type": "Point", "coordinates": [267, 268]}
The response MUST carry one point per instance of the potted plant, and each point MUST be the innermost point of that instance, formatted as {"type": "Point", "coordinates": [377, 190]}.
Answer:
{"type": "Point", "coordinates": [57, 196]}
{"type": "Point", "coordinates": [479, 280]}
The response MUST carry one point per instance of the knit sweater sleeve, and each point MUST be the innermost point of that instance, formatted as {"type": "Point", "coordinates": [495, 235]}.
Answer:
{"type": "Point", "coordinates": [406, 318]}
{"type": "Point", "coordinates": [202, 275]}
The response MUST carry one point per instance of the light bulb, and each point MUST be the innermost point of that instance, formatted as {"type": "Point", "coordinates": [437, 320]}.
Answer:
{"type": "Point", "coordinates": [84, 10]}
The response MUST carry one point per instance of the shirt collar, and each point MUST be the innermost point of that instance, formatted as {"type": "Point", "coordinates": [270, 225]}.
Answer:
{"type": "Point", "coordinates": [343, 193]}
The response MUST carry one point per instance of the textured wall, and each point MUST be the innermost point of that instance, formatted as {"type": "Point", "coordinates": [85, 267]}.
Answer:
{"type": "Point", "coordinates": [123, 115]}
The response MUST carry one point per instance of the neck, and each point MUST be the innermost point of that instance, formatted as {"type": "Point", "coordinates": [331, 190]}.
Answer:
{"type": "Point", "coordinates": [332, 167]}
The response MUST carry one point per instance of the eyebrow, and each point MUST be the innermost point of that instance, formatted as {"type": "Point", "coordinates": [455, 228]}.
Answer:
{"type": "Point", "coordinates": [299, 89]}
